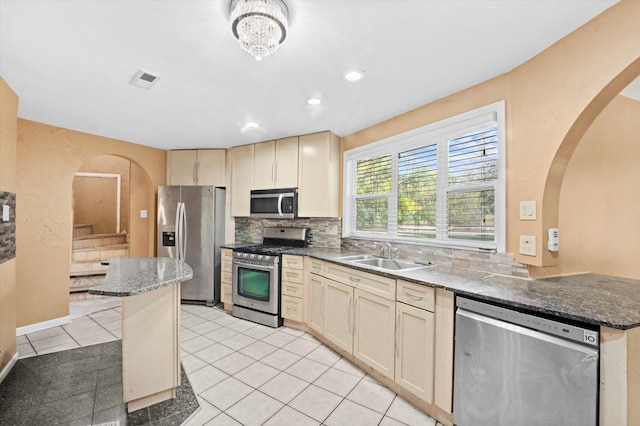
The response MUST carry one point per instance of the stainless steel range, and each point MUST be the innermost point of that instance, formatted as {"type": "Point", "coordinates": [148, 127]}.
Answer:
{"type": "Point", "coordinates": [256, 275]}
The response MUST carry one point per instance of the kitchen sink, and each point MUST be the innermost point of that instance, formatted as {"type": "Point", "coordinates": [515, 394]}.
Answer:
{"type": "Point", "coordinates": [358, 257]}
{"type": "Point", "coordinates": [388, 264]}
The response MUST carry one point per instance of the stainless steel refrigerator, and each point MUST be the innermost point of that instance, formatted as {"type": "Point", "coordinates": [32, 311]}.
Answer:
{"type": "Point", "coordinates": [191, 227]}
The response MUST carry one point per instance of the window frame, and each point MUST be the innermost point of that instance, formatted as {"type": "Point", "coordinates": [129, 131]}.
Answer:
{"type": "Point", "coordinates": [439, 133]}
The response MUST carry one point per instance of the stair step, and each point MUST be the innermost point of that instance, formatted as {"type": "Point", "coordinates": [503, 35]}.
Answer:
{"type": "Point", "coordinates": [77, 284]}
{"type": "Point", "coordinates": [100, 253]}
{"type": "Point", "coordinates": [81, 230]}
{"type": "Point", "coordinates": [99, 240]}
{"type": "Point", "coordinates": [87, 267]}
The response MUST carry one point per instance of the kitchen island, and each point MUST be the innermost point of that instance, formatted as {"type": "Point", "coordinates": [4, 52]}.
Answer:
{"type": "Point", "coordinates": [150, 290]}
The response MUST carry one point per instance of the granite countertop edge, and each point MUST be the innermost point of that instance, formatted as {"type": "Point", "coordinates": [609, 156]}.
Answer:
{"type": "Point", "coordinates": [591, 298]}
{"type": "Point", "coordinates": [132, 276]}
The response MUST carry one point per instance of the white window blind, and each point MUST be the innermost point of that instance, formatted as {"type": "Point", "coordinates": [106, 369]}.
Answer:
{"type": "Point", "coordinates": [440, 184]}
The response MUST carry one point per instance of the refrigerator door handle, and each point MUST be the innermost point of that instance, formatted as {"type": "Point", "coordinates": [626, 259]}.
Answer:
{"type": "Point", "coordinates": [184, 232]}
{"type": "Point", "coordinates": [177, 231]}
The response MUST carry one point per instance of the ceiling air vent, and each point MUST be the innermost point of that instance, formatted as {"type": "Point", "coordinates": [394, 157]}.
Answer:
{"type": "Point", "coordinates": [144, 79]}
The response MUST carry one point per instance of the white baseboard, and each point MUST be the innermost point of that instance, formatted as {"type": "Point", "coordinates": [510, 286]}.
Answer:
{"type": "Point", "coordinates": [20, 331]}
{"type": "Point", "coordinates": [7, 368]}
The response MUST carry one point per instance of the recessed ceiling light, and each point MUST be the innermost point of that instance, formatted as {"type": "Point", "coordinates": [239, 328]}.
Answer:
{"type": "Point", "coordinates": [314, 101]}
{"type": "Point", "coordinates": [354, 75]}
{"type": "Point", "coordinates": [252, 125]}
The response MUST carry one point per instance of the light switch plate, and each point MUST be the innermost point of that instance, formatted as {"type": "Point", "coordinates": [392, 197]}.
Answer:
{"type": "Point", "coordinates": [528, 245]}
{"type": "Point", "coordinates": [528, 210]}
{"type": "Point", "coordinates": [6, 212]}
{"type": "Point", "coordinates": [143, 214]}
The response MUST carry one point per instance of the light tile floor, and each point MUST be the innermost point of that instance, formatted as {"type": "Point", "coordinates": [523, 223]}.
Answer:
{"type": "Point", "coordinates": [249, 374]}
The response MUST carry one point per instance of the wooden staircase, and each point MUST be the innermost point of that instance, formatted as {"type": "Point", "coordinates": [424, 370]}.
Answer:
{"type": "Point", "coordinates": [88, 251]}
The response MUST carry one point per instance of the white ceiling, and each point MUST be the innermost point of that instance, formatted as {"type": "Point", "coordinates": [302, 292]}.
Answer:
{"type": "Point", "coordinates": [70, 63]}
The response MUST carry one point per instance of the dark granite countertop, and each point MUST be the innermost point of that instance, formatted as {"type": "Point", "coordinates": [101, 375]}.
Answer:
{"type": "Point", "coordinates": [129, 276]}
{"type": "Point", "coordinates": [591, 298]}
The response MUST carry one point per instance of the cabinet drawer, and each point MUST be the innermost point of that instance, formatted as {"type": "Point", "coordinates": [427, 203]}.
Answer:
{"type": "Point", "coordinates": [226, 266]}
{"type": "Point", "coordinates": [293, 262]}
{"type": "Point", "coordinates": [226, 293]}
{"type": "Point", "coordinates": [292, 275]}
{"type": "Point", "coordinates": [316, 266]}
{"type": "Point", "coordinates": [292, 289]}
{"type": "Point", "coordinates": [420, 296]}
{"type": "Point", "coordinates": [292, 308]}
{"type": "Point", "coordinates": [226, 277]}
{"type": "Point", "coordinates": [382, 286]}
{"type": "Point", "coordinates": [226, 254]}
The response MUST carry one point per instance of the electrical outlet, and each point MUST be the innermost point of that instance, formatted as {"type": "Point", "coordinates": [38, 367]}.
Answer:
{"type": "Point", "coordinates": [528, 245]}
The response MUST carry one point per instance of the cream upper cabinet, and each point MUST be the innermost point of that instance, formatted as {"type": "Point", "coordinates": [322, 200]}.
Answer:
{"type": "Point", "coordinates": [338, 314]}
{"type": "Point", "coordinates": [374, 331]}
{"type": "Point", "coordinates": [319, 175]}
{"type": "Point", "coordinates": [241, 179]}
{"type": "Point", "coordinates": [196, 167]}
{"type": "Point", "coordinates": [276, 164]}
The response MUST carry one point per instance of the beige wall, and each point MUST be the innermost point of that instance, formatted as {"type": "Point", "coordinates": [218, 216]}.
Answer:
{"type": "Point", "coordinates": [599, 215]}
{"type": "Point", "coordinates": [90, 192]}
{"type": "Point", "coordinates": [8, 135]}
{"type": "Point", "coordinates": [48, 158]}
{"type": "Point", "coordinates": [550, 102]}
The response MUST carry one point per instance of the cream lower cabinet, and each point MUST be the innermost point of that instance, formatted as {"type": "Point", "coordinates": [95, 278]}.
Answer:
{"type": "Point", "coordinates": [315, 303]}
{"type": "Point", "coordinates": [414, 353]}
{"type": "Point", "coordinates": [226, 275]}
{"type": "Point", "coordinates": [338, 314]}
{"type": "Point", "coordinates": [374, 331]}
{"type": "Point", "coordinates": [292, 288]}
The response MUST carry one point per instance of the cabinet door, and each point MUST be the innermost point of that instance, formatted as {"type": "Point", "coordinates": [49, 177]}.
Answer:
{"type": "Point", "coordinates": [265, 165]}
{"type": "Point", "coordinates": [338, 314]}
{"type": "Point", "coordinates": [444, 330]}
{"type": "Point", "coordinates": [415, 351]}
{"type": "Point", "coordinates": [211, 167]}
{"type": "Point", "coordinates": [181, 167]}
{"type": "Point", "coordinates": [318, 175]}
{"type": "Point", "coordinates": [241, 180]}
{"type": "Point", "coordinates": [315, 303]}
{"type": "Point", "coordinates": [286, 168]}
{"type": "Point", "coordinates": [374, 331]}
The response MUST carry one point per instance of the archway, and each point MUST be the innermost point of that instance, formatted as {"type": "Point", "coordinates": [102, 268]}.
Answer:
{"type": "Point", "coordinates": [111, 199]}
{"type": "Point", "coordinates": [592, 199]}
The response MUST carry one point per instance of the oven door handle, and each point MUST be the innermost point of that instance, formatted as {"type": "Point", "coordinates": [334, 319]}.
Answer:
{"type": "Point", "coordinates": [240, 263]}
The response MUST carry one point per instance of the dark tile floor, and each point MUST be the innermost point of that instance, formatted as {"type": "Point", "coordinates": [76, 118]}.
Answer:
{"type": "Point", "coordinates": [81, 387]}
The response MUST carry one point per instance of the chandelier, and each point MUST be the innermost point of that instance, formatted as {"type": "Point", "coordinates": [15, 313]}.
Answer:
{"type": "Point", "coordinates": [259, 25]}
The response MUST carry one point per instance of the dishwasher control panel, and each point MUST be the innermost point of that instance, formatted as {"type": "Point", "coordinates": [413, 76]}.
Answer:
{"type": "Point", "coordinates": [554, 327]}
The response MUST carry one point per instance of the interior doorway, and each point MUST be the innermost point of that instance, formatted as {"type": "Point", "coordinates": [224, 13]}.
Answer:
{"type": "Point", "coordinates": [101, 204]}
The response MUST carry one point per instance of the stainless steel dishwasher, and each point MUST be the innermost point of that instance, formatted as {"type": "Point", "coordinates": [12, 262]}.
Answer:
{"type": "Point", "coordinates": [517, 368]}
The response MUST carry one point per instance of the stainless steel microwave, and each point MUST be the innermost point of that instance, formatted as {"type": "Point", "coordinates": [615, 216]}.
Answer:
{"type": "Point", "coordinates": [274, 203]}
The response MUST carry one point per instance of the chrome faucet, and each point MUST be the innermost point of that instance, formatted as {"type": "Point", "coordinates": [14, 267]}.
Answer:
{"type": "Point", "coordinates": [388, 249]}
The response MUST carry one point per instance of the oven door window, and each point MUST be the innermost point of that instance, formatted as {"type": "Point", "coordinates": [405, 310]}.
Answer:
{"type": "Point", "coordinates": [254, 284]}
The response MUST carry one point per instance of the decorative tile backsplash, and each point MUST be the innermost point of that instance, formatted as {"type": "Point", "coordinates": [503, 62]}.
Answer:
{"type": "Point", "coordinates": [496, 263]}
{"type": "Point", "coordinates": [325, 232]}
{"type": "Point", "coordinates": [8, 229]}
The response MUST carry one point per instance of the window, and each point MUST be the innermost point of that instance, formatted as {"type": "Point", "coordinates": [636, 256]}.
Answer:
{"type": "Point", "coordinates": [439, 184]}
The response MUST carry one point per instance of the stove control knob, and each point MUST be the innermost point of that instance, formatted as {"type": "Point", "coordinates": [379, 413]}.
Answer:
{"type": "Point", "coordinates": [267, 258]}
{"type": "Point", "coordinates": [245, 255]}
{"type": "Point", "coordinates": [253, 256]}
{"type": "Point", "coordinates": [259, 257]}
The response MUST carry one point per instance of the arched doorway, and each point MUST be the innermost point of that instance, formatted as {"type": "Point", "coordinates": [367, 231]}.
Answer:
{"type": "Point", "coordinates": [591, 190]}
{"type": "Point", "coordinates": [111, 218]}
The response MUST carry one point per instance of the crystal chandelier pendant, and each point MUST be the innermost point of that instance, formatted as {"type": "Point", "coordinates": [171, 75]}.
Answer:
{"type": "Point", "coordinates": [259, 25]}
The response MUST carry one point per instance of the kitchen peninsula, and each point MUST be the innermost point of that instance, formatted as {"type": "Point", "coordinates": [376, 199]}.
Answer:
{"type": "Point", "coordinates": [150, 325]}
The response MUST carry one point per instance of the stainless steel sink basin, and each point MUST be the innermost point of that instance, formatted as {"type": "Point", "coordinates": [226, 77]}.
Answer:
{"type": "Point", "coordinates": [357, 257]}
{"type": "Point", "coordinates": [388, 264]}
